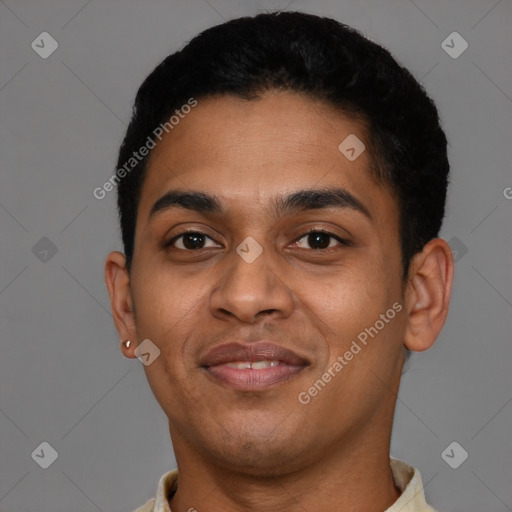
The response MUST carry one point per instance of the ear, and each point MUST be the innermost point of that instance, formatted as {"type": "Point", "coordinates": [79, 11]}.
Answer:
{"type": "Point", "coordinates": [117, 279]}
{"type": "Point", "coordinates": [427, 294]}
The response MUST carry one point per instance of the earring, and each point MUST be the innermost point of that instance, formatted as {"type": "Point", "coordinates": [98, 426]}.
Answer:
{"type": "Point", "coordinates": [127, 343]}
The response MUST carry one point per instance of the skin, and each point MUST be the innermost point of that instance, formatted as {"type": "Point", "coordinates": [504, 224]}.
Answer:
{"type": "Point", "coordinates": [264, 450]}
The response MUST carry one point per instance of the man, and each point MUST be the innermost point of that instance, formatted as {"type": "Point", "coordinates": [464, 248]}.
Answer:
{"type": "Point", "coordinates": [281, 188]}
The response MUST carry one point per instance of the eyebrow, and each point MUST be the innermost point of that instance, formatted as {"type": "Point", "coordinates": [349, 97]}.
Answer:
{"type": "Point", "coordinates": [300, 201]}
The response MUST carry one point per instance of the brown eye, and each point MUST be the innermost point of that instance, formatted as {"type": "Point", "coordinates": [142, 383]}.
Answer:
{"type": "Point", "coordinates": [191, 241]}
{"type": "Point", "coordinates": [319, 240]}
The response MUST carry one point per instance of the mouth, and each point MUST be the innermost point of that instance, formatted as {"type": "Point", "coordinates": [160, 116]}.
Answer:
{"type": "Point", "coordinates": [252, 367]}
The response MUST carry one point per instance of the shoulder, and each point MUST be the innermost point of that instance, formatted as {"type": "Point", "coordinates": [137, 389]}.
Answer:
{"type": "Point", "coordinates": [147, 507]}
{"type": "Point", "coordinates": [166, 484]}
{"type": "Point", "coordinates": [408, 480]}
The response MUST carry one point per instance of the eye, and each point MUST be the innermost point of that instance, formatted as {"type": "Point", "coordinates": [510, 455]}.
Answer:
{"type": "Point", "coordinates": [195, 240]}
{"type": "Point", "coordinates": [192, 240]}
{"type": "Point", "coordinates": [320, 239]}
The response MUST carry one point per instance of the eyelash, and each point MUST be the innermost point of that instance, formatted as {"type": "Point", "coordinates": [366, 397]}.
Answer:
{"type": "Point", "coordinates": [342, 241]}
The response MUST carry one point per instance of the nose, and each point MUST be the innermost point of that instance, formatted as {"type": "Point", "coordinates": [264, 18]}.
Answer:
{"type": "Point", "coordinates": [249, 290]}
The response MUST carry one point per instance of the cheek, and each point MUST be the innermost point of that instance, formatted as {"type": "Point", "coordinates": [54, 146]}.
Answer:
{"type": "Point", "coordinates": [164, 301]}
{"type": "Point", "coordinates": [350, 309]}
{"type": "Point", "coordinates": [170, 310]}
{"type": "Point", "coordinates": [167, 313]}
{"type": "Point", "coordinates": [351, 297]}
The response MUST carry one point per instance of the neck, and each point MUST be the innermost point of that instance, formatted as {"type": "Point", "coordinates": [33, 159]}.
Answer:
{"type": "Point", "coordinates": [347, 478]}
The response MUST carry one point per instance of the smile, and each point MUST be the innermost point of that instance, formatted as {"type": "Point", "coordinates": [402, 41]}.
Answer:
{"type": "Point", "coordinates": [252, 367]}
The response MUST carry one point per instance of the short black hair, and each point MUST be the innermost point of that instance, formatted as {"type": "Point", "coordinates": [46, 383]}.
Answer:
{"type": "Point", "coordinates": [325, 60]}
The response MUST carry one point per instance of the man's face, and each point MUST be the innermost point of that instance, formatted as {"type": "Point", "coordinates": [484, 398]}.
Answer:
{"type": "Point", "coordinates": [311, 294]}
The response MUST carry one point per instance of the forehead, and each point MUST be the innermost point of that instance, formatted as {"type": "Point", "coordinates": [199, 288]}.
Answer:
{"type": "Point", "coordinates": [248, 152]}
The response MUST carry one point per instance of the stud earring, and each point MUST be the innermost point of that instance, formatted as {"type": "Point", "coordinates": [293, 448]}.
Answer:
{"type": "Point", "coordinates": [127, 343]}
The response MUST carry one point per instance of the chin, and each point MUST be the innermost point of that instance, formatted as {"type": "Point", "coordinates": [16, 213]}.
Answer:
{"type": "Point", "coordinates": [259, 454]}
{"type": "Point", "coordinates": [258, 463]}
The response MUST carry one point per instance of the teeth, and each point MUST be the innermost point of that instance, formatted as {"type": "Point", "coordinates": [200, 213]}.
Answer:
{"type": "Point", "coordinates": [256, 365]}
{"type": "Point", "coordinates": [241, 365]}
{"type": "Point", "coordinates": [263, 364]}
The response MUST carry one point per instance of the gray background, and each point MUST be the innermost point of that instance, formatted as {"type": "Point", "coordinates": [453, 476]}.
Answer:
{"type": "Point", "coordinates": [63, 379]}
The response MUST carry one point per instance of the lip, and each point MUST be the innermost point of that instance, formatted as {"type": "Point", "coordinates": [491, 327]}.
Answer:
{"type": "Point", "coordinates": [216, 364]}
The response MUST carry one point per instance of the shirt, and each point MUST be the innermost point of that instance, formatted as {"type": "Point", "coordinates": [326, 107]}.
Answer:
{"type": "Point", "coordinates": [407, 480]}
